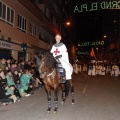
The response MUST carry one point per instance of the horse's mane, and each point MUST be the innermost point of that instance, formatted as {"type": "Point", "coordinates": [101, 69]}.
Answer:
{"type": "Point", "coordinates": [50, 60]}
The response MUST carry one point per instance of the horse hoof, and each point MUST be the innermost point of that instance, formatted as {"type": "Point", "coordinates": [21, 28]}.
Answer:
{"type": "Point", "coordinates": [62, 102]}
{"type": "Point", "coordinates": [55, 111]}
{"type": "Point", "coordinates": [73, 103]}
{"type": "Point", "coordinates": [48, 111]}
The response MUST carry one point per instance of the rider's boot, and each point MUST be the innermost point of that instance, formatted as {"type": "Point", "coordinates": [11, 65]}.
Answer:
{"type": "Point", "coordinates": [62, 79]}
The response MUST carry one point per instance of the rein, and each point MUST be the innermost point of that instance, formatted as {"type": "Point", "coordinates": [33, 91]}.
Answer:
{"type": "Point", "coordinates": [51, 72]}
{"type": "Point", "coordinates": [47, 70]}
{"type": "Point", "coordinates": [44, 70]}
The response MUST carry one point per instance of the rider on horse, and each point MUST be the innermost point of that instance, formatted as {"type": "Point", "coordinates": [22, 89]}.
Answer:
{"type": "Point", "coordinates": [60, 52]}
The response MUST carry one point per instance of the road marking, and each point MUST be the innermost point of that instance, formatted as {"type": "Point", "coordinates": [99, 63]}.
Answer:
{"type": "Point", "coordinates": [84, 89]}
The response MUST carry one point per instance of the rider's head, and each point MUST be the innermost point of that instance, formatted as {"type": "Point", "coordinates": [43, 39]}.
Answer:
{"type": "Point", "coordinates": [58, 38]}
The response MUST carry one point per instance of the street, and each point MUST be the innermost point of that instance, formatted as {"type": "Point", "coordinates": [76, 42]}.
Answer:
{"type": "Point", "coordinates": [95, 99]}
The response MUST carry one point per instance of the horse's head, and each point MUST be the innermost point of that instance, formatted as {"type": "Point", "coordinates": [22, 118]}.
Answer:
{"type": "Point", "coordinates": [48, 62]}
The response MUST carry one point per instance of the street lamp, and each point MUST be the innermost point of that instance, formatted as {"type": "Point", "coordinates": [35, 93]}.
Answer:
{"type": "Point", "coordinates": [23, 49]}
{"type": "Point", "coordinates": [68, 23]}
{"type": "Point", "coordinates": [105, 36]}
{"type": "Point", "coordinates": [65, 24]}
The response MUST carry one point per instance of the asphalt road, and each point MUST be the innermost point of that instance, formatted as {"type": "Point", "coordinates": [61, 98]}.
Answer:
{"type": "Point", "coordinates": [95, 99]}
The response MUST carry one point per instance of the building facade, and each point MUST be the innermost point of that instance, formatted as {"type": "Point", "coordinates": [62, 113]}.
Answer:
{"type": "Point", "coordinates": [34, 23]}
{"type": "Point", "coordinates": [111, 29]}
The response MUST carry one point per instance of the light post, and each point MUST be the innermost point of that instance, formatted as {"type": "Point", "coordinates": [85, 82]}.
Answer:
{"type": "Point", "coordinates": [23, 49]}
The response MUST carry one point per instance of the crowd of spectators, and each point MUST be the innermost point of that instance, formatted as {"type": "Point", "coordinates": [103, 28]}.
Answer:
{"type": "Point", "coordinates": [17, 79]}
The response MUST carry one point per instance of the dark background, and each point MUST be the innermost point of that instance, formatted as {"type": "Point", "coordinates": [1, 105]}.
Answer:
{"type": "Point", "coordinates": [93, 25]}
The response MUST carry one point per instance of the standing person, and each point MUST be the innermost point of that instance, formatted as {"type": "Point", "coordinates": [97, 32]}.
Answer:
{"type": "Point", "coordinates": [90, 68]}
{"type": "Point", "coordinates": [93, 70]}
{"type": "Point", "coordinates": [99, 70]}
{"type": "Point", "coordinates": [84, 67]}
{"type": "Point", "coordinates": [103, 71]}
{"type": "Point", "coordinates": [75, 68]}
{"type": "Point", "coordinates": [79, 68]}
{"type": "Point", "coordinates": [74, 65]}
{"type": "Point", "coordinates": [60, 52]}
{"type": "Point", "coordinates": [115, 70]}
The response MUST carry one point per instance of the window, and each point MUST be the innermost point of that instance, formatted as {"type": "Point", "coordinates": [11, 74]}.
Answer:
{"type": "Point", "coordinates": [21, 23]}
{"type": "Point", "coordinates": [32, 29]}
{"type": "Point", "coordinates": [0, 9]}
{"type": "Point", "coordinates": [6, 13]}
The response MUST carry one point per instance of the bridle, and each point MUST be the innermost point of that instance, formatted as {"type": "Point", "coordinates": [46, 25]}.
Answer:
{"type": "Point", "coordinates": [47, 72]}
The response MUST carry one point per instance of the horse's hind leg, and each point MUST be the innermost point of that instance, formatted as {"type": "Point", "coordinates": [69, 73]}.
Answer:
{"type": "Point", "coordinates": [63, 94]}
{"type": "Point", "coordinates": [56, 101]}
{"type": "Point", "coordinates": [49, 101]}
{"type": "Point", "coordinates": [72, 92]}
{"type": "Point", "coordinates": [67, 87]}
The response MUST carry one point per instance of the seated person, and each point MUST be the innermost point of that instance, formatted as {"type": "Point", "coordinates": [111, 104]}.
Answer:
{"type": "Point", "coordinates": [10, 82]}
{"type": "Point", "coordinates": [3, 79]}
{"type": "Point", "coordinates": [9, 77]}
{"type": "Point", "coordinates": [16, 79]}
{"type": "Point", "coordinates": [25, 82]}
{"type": "Point", "coordinates": [7, 94]}
{"type": "Point", "coordinates": [36, 79]}
{"type": "Point", "coordinates": [13, 67]}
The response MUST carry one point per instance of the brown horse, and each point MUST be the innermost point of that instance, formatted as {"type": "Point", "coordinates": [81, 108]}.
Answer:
{"type": "Point", "coordinates": [51, 78]}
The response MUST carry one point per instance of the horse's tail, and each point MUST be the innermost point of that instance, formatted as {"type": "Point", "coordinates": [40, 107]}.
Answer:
{"type": "Point", "coordinates": [67, 87]}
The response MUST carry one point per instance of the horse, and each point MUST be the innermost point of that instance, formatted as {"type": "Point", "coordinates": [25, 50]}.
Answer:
{"type": "Point", "coordinates": [49, 73]}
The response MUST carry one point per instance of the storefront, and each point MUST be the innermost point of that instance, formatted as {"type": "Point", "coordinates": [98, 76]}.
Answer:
{"type": "Point", "coordinates": [4, 53]}
{"type": "Point", "coordinates": [9, 48]}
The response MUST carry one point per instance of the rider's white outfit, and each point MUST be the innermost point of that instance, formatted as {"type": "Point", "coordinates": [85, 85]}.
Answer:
{"type": "Point", "coordinates": [59, 49]}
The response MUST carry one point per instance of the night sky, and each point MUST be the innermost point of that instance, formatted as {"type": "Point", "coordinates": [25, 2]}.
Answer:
{"type": "Point", "coordinates": [87, 24]}
{"type": "Point", "coordinates": [93, 25]}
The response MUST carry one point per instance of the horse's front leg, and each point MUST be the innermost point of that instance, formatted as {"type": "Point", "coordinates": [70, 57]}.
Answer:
{"type": "Point", "coordinates": [56, 100]}
{"type": "Point", "coordinates": [49, 101]}
{"type": "Point", "coordinates": [63, 94]}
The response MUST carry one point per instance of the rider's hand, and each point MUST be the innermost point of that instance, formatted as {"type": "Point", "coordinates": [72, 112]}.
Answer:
{"type": "Point", "coordinates": [59, 56]}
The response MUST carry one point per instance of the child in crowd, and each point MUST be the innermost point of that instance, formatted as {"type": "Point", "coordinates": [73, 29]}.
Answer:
{"type": "Point", "coordinates": [22, 64]}
{"type": "Point", "coordinates": [6, 69]}
{"type": "Point", "coordinates": [10, 81]}
{"type": "Point", "coordinates": [13, 67]}
{"type": "Point", "coordinates": [16, 79]}
{"type": "Point", "coordinates": [9, 77]}
{"type": "Point", "coordinates": [36, 79]}
{"type": "Point", "coordinates": [20, 72]}
{"type": "Point", "coordinates": [25, 82]}
{"type": "Point", "coordinates": [7, 94]}
{"type": "Point", "coordinates": [11, 92]}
